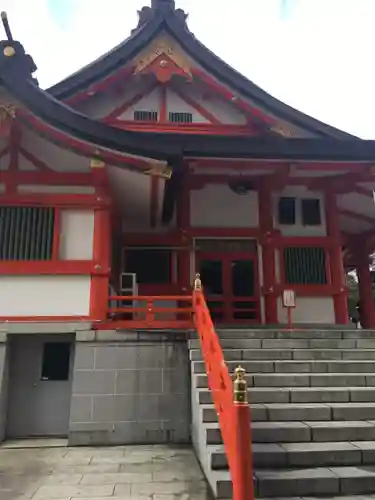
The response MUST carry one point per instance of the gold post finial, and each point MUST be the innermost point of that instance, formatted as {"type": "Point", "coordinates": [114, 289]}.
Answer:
{"type": "Point", "coordinates": [197, 282]}
{"type": "Point", "coordinates": [240, 386]}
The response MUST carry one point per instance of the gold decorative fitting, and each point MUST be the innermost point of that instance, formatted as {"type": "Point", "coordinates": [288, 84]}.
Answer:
{"type": "Point", "coordinates": [240, 386]}
{"type": "Point", "coordinates": [97, 163]}
{"type": "Point", "coordinates": [7, 110]}
{"type": "Point", "coordinates": [9, 51]}
{"type": "Point", "coordinates": [197, 283]}
{"type": "Point", "coordinates": [159, 170]}
{"type": "Point", "coordinates": [281, 130]}
{"type": "Point", "coordinates": [162, 45]}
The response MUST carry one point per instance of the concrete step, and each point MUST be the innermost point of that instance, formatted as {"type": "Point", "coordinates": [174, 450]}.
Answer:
{"type": "Point", "coordinates": [239, 355]}
{"type": "Point", "coordinates": [284, 455]}
{"type": "Point", "coordinates": [296, 334]}
{"type": "Point", "coordinates": [261, 395]}
{"type": "Point", "coordinates": [301, 432]}
{"type": "Point", "coordinates": [283, 343]}
{"type": "Point", "coordinates": [306, 411]}
{"type": "Point", "coordinates": [309, 482]}
{"type": "Point", "coordinates": [302, 380]}
{"type": "Point", "coordinates": [281, 366]}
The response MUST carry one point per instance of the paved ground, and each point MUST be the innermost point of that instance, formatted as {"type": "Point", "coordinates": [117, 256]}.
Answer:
{"type": "Point", "coordinates": [142, 472]}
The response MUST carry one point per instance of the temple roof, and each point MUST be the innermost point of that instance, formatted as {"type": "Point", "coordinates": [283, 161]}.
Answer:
{"type": "Point", "coordinates": [16, 70]}
{"type": "Point", "coordinates": [163, 16]}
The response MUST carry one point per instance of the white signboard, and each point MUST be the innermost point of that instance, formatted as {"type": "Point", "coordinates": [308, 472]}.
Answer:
{"type": "Point", "coordinates": [289, 298]}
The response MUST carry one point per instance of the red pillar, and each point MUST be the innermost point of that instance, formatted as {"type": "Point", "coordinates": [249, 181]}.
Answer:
{"type": "Point", "coordinates": [183, 223]}
{"type": "Point", "coordinates": [365, 286]}
{"type": "Point", "coordinates": [99, 290]}
{"type": "Point", "coordinates": [335, 259]}
{"type": "Point", "coordinates": [268, 255]}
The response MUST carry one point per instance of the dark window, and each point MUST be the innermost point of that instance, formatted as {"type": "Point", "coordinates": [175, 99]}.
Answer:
{"type": "Point", "coordinates": [152, 266]}
{"type": "Point", "coordinates": [305, 266]}
{"type": "Point", "coordinates": [287, 211]}
{"type": "Point", "coordinates": [311, 215]}
{"type": "Point", "coordinates": [181, 117]}
{"type": "Point", "coordinates": [145, 116]}
{"type": "Point", "coordinates": [26, 233]}
{"type": "Point", "coordinates": [56, 361]}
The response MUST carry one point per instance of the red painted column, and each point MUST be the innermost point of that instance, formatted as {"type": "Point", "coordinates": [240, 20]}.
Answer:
{"type": "Point", "coordinates": [268, 255]}
{"type": "Point", "coordinates": [335, 259]}
{"type": "Point", "coordinates": [99, 290]}
{"type": "Point", "coordinates": [183, 224]}
{"type": "Point", "coordinates": [365, 286]}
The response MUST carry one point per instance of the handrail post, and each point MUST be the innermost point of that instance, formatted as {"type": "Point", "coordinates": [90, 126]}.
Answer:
{"type": "Point", "coordinates": [242, 475]}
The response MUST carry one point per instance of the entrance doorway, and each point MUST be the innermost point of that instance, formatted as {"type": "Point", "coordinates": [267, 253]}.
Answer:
{"type": "Point", "coordinates": [40, 385]}
{"type": "Point", "coordinates": [230, 283]}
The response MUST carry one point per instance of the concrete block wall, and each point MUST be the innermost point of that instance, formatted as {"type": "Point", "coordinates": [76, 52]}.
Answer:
{"type": "Point", "coordinates": [130, 388]}
{"type": "Point", "coordinates": [4, 376]}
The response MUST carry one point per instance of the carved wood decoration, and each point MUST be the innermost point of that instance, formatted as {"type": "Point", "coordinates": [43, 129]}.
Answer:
{"type": "Point", "coordinates": [163, 59]}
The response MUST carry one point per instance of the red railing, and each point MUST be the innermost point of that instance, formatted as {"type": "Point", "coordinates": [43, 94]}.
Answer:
{"type": "Point", "coordinates": [143, 312]}
{"type": "Point", "coordinates": [231, 404]}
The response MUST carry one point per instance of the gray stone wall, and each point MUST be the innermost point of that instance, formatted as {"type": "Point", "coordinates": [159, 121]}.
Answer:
{"type": "Point", "coordinates": [130, 388]}
{"type": "Point", "coordinates": [4, 375]}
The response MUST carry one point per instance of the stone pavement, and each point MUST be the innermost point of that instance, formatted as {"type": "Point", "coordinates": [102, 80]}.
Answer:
{"type": "Point", "coordinates": [136, 472]}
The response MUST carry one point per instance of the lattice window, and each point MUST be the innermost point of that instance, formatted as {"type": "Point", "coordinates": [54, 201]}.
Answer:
{"type": "Point", "coordinates": [181, 117]}
{"type": "Point", "coordinates": [305, 265]}
{"type": "Point", "coordinates": [145, 116]}
{"type": "Point", "coordinates": [26, 233]}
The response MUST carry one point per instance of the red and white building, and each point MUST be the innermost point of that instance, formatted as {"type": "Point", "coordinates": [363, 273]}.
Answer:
{"type": "Point", "coordinates": [284, 202]}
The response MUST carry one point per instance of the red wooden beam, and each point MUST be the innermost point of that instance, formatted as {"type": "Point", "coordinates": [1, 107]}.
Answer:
{"type": "Point", "coordinates": [115, 113]}
{"type": "Point", "coordinates": [154, 200]}
{"type": "Point", "coordinates": [52, 178]}
{"type": "Point", "coordinates": [232, 98]}
{"type": "Point", "coordinates": [163, 104]}
{"type": "Point", "coordinates": [83, 148]}
{"type": "Point", "coordinates": [39, 164]}
{"type": "Point", "coordinates": [195, 105]}
{"type": "Point", "coordinates": [95, 88]}
{"type": "Point", "coordinates": [54, 200]}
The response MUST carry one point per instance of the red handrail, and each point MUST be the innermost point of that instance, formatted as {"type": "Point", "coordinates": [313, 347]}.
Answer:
{"type": "Point", "coordinates": [231, 405]}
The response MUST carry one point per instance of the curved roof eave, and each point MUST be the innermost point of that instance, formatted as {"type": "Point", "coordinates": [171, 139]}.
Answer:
{"type": "Point", "coordinates": [167, 19]}
{"type": "Point", "coordinates": [15, 74]}
{"type": "Point", "coordinates": [109, 62]}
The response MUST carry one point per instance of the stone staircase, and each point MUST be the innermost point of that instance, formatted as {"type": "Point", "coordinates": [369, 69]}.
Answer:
{"type": "Point", "coordinates": [312, 397]}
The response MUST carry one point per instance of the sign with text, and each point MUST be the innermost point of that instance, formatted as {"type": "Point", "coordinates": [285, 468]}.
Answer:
{"type": "Point", "coordinates": [289, 298]}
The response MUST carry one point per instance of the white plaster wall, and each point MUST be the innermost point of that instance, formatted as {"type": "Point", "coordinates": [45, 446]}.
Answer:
{"type": "Point", "coordinates": [150, 102]}
{"type": "Point", "coordinates": [217, 206]}
{"type": "Point", "coordinates": [77, 235]}
{"type": "Point", "coordinates": [309, 310]}
{"type": "Point", "coordinates": [52, 155]}
{"type": "Point", "coordinates": [44, 295]}
{"type": "Point", "coordinates": [177, 105]}
{"type": "Point", "coordinates": [102, 104]}
{"type": "Point", "coordinates": [299, 229]}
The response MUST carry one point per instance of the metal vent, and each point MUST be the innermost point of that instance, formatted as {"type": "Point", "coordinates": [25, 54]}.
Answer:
{"type": "Point", "coordinates": [145, 116]}
{"type": "Point", "coordinates": [26, 233]}
{"type": "Point", "coordinates": [181, 117]}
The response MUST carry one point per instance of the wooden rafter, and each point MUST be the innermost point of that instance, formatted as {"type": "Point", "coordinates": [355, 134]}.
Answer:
{"type": "Point", "coordinates": [195, 105]}
{"type": "Point", "coordinates": [115, 113]}
{"type": "Point", "coordinates": [356, 215]}
{"type": "Point", "coordinates": [235, 101]}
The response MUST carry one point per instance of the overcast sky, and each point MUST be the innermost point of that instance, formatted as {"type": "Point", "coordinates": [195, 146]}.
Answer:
{"type": "Point", "coordinates": [316, 55]}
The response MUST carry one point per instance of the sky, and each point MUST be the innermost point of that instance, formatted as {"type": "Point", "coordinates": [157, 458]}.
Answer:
{"type": "Point", "coordinates": [315, 55]}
